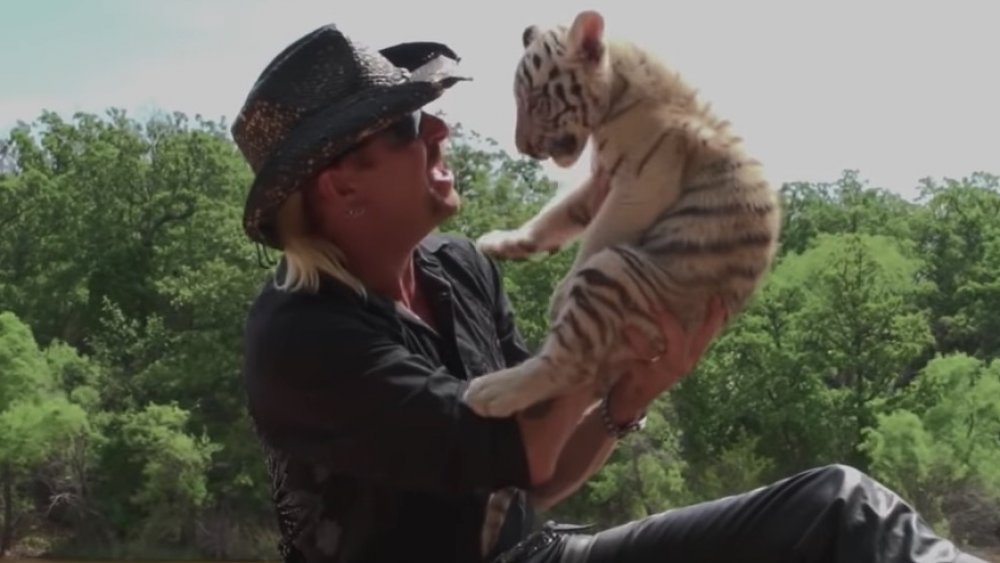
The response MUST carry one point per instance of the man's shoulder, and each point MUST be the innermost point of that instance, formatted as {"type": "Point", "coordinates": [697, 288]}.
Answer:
{"type": "Point", "coordinates": [451, 243]}
{"type": "Point", "coordinates": [275, 311]}
{"type": "Point", "coordinates": [458, 247]}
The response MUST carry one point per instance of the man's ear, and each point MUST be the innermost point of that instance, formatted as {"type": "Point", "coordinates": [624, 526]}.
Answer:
{"type": "Point", "coordinates": [337, 185]}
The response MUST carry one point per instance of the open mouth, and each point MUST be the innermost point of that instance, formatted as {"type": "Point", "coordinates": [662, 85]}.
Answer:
{"type": "Point", "coordinates": [564, 150]}
{"type": "Point", "coordinates": [563, 146]}
{"type": "Point", "coordinates": [440, 176]}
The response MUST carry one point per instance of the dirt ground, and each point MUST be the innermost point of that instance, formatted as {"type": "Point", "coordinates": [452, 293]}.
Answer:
{"type": "Point", "coordinates": [991, 555]}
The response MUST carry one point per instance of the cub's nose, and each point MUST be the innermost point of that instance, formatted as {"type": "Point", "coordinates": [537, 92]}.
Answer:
{"type": "Point", "coordinates": [528, 148]}
{"type": "Point", "coordinates": [532, 150]}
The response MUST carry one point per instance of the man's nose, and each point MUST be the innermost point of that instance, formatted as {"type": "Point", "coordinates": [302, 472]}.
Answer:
{"type": "Point", "coordinates": [433, 129]}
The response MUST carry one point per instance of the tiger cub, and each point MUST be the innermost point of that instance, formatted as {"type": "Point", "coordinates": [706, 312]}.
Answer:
{"type": "Point", "coordinates": [688, 214]}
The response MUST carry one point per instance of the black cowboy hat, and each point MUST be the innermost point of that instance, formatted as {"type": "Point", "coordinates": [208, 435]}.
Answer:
{"type": "Point", "coordinates": [319, 97]}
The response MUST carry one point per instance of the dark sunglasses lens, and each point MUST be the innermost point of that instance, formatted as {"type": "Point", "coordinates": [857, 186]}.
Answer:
{"type": "Point", "coordinates": [406, 129]}
{"type": "Point", "coordinates": [401, 132]}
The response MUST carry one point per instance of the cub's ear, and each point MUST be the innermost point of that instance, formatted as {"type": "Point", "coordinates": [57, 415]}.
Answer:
{"type": "Point", "coordinates": [529, 34]}
{"type": "Point", "coordinates": [586, 36]}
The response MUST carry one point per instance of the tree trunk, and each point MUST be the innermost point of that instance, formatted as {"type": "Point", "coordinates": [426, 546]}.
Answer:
{"type": "Point", "coordinates": [7, 534]}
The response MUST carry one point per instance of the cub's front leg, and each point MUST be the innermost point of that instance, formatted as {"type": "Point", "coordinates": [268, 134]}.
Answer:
{"type": "Point", "coordinates": [504, 392]}
{"type": "Point", "coordinates": [647, 184]}
{"type": "Point", "coordinates": [562, 219]}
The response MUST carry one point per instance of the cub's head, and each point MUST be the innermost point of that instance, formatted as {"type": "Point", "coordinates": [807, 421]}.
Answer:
{"type": "Point", "coordinates": [561, 88]}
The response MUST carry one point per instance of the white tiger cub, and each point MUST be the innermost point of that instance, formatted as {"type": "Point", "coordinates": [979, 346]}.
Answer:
{"type": "Point", "coordinates": [688, 215]}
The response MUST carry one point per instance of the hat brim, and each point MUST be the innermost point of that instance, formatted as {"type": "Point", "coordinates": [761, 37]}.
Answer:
{"type": "Point", "coordinates": [320, 139]}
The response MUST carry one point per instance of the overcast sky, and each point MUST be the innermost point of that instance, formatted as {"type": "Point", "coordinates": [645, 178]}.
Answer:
{"type": "Point", "coordinates": [898, 90]}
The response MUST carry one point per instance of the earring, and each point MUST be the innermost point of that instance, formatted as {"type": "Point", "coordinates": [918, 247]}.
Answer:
{"type": "Point", "coordinates": [355, 212]}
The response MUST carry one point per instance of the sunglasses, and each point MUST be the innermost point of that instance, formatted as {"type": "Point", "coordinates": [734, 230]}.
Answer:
{"type": "Point", "coordinates": [404, 130]}
{"type": "Point", "coordinates": [399, 133]}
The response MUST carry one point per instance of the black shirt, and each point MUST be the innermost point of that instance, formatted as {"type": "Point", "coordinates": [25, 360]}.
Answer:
{"type": "Point", "coordinates": [372, 454]}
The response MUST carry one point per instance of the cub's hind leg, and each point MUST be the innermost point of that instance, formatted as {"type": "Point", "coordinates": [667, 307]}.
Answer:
{"type": "Point", "coordinates": [585, 345]}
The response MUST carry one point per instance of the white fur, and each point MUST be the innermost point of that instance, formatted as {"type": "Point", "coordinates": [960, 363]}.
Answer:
{"type": "Point", "coordinates": [665, 152]}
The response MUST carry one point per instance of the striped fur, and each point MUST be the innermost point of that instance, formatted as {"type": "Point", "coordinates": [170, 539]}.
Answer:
{"type": "Point", "coordinates": [689, 213]}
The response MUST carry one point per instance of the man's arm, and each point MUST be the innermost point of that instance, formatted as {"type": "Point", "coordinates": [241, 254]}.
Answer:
{"type": "Point", "coordinates": [577, 443]}
{"type": "Point", "coordinates": [549, 434]}
{"type": "Point", "coordinates": [582, 452]}
{"type": "Point", "coordinates": [585, 452]}
{"type": "Point", "coordinates": [337, 390]}
{"type": "Point", "coordinates": [591, 444]}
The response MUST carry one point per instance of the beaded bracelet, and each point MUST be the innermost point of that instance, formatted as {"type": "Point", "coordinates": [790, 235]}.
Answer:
{"type": "Point", "coordinates": [619, 431]}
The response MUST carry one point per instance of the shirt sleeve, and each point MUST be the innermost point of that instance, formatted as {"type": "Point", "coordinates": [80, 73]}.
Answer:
{"type": "Point", "coordinates": [339, 391]}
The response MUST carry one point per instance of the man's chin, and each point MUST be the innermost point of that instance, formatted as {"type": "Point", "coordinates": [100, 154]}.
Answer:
{"type": "Point", "coordinates": [449, 209]}
{"type": "Point", "coordinates": [444, 207]}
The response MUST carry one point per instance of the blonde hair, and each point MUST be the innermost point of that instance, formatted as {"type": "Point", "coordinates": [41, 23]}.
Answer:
{"type": "Point", "coordinates": [307, 255]}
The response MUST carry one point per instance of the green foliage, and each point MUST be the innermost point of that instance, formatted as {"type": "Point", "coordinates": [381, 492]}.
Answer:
{"type": "Point", "coordinates": [25, 375]}
{"type": "Point", "coordinates": [122, 249]}
{"type": "Point", "coordinates": [39, 426]}
{"type": "Point", "coordinates": [844, 206]}
{"type": "Point", "coordinates": [643, 475]}
{"type": "Point", "coordinates": [941, 447]}
{"type": "Point", "coordinates": [125, 279]}
{"type": "Point", "coordinates": [174, 467]}
{"type": "Point", "coordinates": [802, 372]}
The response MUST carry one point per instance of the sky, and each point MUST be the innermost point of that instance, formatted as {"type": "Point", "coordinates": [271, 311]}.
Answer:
{"type": "Point", "coordinates": [898, 90]}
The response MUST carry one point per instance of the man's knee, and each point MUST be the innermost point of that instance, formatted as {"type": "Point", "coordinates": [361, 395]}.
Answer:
{"type": "Point", "coordinates": [838, 483]}
{"type": "Point", "coordinates": [841, 473]}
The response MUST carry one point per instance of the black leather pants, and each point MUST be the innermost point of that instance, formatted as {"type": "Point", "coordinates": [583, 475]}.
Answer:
{"type": "Point", "coordinates": [829, 514]}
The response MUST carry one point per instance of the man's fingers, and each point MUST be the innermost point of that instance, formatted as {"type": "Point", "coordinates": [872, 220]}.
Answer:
{"type": "Point", "coordinates": [639, 343]}
{"type": "Point", "coordinates": [681, 346]}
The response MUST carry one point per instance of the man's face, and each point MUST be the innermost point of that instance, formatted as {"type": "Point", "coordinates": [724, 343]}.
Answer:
{"type": "Point", "coordinates": [398, 180]}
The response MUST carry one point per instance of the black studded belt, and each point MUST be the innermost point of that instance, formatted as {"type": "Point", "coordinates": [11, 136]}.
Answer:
{"type": "Point", "coordinates": [539, 541]}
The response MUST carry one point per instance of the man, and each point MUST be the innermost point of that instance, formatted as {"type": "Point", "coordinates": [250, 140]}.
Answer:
{"type": "Point", "coordinates": [360, 348]}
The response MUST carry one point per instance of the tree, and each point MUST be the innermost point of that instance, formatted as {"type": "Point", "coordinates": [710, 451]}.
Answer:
{"type": "Point", "coordinates": [37, 422]}
{"type": "Point", "coordinates": [126, 279]}
{"type": "Point", "coordinates": [939, 448]}
{"type": "Point", "coordinates": [832, 334]}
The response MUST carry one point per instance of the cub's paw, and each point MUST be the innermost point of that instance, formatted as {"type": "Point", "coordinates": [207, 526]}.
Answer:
{"type": "Point", "coordinates": [498, 394]}
{"type": "Point", "coordinates": [509, 245]}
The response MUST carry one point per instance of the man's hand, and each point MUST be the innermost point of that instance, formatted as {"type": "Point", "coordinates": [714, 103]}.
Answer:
{"type": "Point", "coordinates": [644, 380]}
